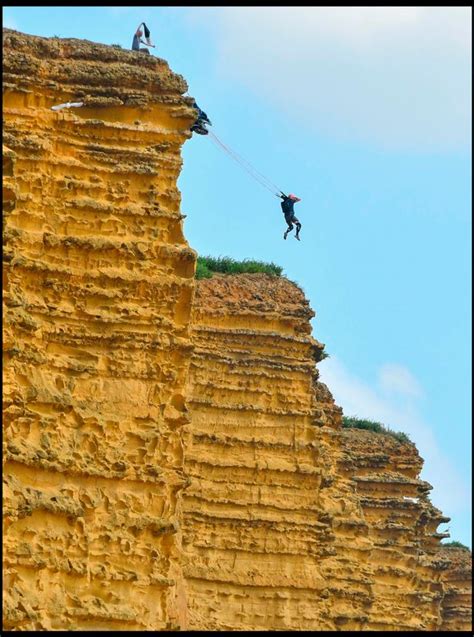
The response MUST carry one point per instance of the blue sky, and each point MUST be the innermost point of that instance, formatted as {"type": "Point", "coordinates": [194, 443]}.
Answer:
{"type": "Point", "coordinates": [365, 114]}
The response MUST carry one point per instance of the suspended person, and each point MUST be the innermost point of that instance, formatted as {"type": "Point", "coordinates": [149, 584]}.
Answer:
{"type": "Point", "coordinates": [287, 206]}
{"type": "Point", "coordinates": [202, 120]}
{"type": "Point", "coordinates": [137, 39]}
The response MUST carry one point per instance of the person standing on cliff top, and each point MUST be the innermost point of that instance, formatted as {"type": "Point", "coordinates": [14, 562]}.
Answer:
{"type": "Point", "coordinates": [287, 207]}
{"type": "Point", "coordinates": [137, 39]}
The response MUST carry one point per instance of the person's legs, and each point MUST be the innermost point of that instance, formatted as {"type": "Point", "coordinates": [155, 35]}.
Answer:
{"type": "Point", "coordinates": [298, 228]}
{"type": "Point", "coordinates": [288, 220]}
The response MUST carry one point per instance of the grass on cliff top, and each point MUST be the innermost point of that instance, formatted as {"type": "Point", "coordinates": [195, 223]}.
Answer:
{"type": "Point", "coordinates": [206, 266]}
{"type": "Point", "coordinates": [455, 545]}
{"type": "Point", "coordinates": [353, 422]}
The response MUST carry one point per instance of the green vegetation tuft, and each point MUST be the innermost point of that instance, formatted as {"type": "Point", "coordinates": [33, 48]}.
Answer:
{"type": "Point", "coordinates": [202, 271]}
{"type": "Point", "coordinates": [362, 423]}
{"type": "Point", "coordinates": [455, 545]}
{"type": "Point", "coordinates": [206, 266]}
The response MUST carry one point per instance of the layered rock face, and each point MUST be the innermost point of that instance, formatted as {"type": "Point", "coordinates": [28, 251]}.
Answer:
{"type": "Point", "coordinates": [254, 531]}
{"type": "Point", "coordinates": [98, 280]}
{"type": "Point", "coordinates": [171, 459]}
{"type": "Point", "coordinates": [456, 606]}
{"type": "Point", "coordinates": [404, 567]}
{"type": "Point", "coordinates": [273, 533]}
{"type": "Point", "coordinates": [291, 522]}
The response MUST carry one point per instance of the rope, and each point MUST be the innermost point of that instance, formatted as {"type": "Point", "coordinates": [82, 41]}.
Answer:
{"type": "Point", "coordinates": [243, 160]}
{"type": "Point", "coordinates": [253, 173]}
{"type": "Point", "coordinates": [246, 165]}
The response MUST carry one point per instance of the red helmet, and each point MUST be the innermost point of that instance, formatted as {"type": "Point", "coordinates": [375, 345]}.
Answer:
{"type": "Point", "coordinates": [294, 197]}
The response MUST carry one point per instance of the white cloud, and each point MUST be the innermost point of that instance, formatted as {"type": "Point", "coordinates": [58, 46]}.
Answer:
{"type": "Point", "coordinates": [398, 379]}
{"type": "Point", "coordinates": [399, 77]}
{"type": "Point", "coordinates": [398, 409]}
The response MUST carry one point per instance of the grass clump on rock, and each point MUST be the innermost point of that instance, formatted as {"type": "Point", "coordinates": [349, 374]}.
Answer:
{"type": "Point", "coordinates": [353, 422]}
{"type": "Point", "coordinates": [455, 545]}
{"type": "Point", "coordinates": [206, 266]}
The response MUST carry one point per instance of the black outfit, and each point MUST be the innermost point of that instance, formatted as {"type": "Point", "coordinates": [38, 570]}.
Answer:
{"type": "Point", "coordinates": [287, 205]}
{"type": "Point", "coordinates": [202, 119]}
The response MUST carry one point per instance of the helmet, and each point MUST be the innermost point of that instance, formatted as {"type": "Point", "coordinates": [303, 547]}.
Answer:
{"type": "Point", "coordinates": [292, 197]}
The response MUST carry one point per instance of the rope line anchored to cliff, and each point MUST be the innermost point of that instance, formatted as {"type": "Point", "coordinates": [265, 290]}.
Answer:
{"type": "Point", "coordinates": [246, 165]}
{"type": "Point", "coordinates": [288, 201]}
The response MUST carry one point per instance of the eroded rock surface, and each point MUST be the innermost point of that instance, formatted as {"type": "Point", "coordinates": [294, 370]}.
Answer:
{"type": "Point", "coordinates": [98, 280]}
{"type": "Point", "coordinates": [254, 528]}
{"type": "Point", "coordinates": [456, 605]}
{"type": "Point", "coordinates": [291, 522]}
{"type": "Point", "coordinates": [403, 562]}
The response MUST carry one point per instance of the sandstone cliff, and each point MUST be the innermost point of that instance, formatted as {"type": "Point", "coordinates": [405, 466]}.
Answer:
{"type": "Point", "coordinates": [98, 281]}
{"type": "Point", "coordinates": [291, 522]}
{"type": "Point", "coordinates": [456, 607]}
{"type": "Point", "coordinates": [171, 459]}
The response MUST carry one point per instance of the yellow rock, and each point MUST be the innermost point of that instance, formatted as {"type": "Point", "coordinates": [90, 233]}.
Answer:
{"type": "Point", "coordinates": [99, 281]}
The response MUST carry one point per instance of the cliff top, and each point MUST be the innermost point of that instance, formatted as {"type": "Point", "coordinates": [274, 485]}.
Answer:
{"type": "Point", "coordinates": [97, 74]}
{"type": "Point", "coordinates": [256, 292]}
{"type": "Point", "coordinates": [460, 559]}
{"type": "Point", "coordinates": [207, 266]}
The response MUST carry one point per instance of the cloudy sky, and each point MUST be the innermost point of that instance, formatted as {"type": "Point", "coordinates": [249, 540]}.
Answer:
{"type": "Point", "coordinates": [392, 76]}
{"type": "Point", "coordinates": [365, 114]}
